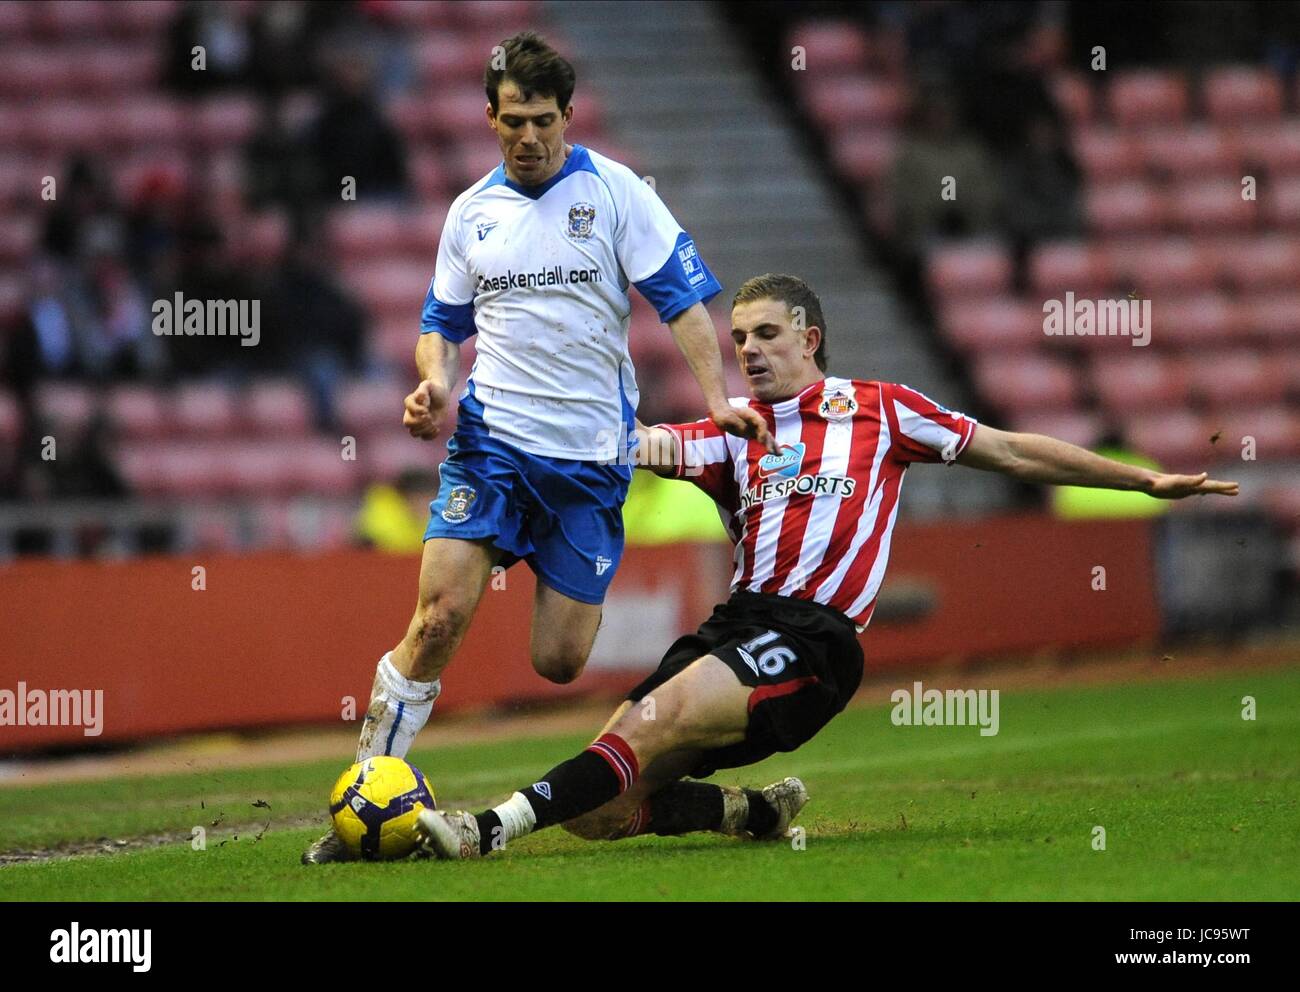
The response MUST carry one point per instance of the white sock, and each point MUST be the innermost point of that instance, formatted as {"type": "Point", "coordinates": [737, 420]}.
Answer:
{"type": "Point", "coordinates": [399, 709]}
{"type": "Point", "coordinates": [517, 819]}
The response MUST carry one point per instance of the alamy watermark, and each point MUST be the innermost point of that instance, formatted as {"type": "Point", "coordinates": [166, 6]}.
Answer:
{"type": "Point", "coordinates": [1098, 318]}
{"type": "Point", "coordinates": [208, 318]}
{"type": "Point", "coordinates": [921, 707]}
{"type": "Point", "coordinates": [53, 708]}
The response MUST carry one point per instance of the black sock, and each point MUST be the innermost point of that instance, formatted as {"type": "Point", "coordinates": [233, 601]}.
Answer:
{"type": "Point", "coordinates": [762, 814]}
{"type": "Point", "coordinates": [602, 772]}
{"type": "Point", "coordinates": [684, 807]}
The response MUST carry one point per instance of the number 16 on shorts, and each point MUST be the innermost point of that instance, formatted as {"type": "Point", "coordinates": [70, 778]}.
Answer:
{"type": "Point", "coordinates": [771, 661]}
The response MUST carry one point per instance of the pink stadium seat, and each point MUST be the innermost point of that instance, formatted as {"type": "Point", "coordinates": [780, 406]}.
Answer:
{"type": "Point", "coordinates": [444, 57]}
{"type": "Point", "coordinates": [1212, 205]}
{"type": "Point", "coordinates": [138, 412]}
{"type": "Point", "coordinates": [1201, 321]}
{"type": "Point", "coordinates": [11, 419]}
{"type": "Point", "coordinates": [1167, 264]}
{"type": "Point", "coordinates": [13, 296]}
{"type": "Point", "coordinates": [1273, 317]}
{"type": "Point", "coordinates": [1276, 430]}
{"type": "Point", "coordinates": [18, 236]}
{"type": "Point", "coordinates": [1236, 378]}
{"type": "Point", "coordinates": [431, 179]}
{"type": "Point", "coordinates": [77, 19]}
{"type": "Point", "coordinates": [1147, 97]}
{"type": "Point", "coordinates": [969, 270]}
{"type": "Point", "coordinates": [382, 459]}
{"type": "Point", "coordinates": [1073, 97]}
{"type": "Point", "coordinates": [14, 126]}
{"type": "Point", "coordinates": [1139, 381]}
{"type": "Point", "coordinates": [461, 113]}
{"type": "Point", "coordinates": [65, 125]}
{"type": "Point", "coordinates": [1177, 439]}
{"type": "Point", "coordinates": [1055, 267]}
{"type": "Point", "coordinates": [421, 232]}
{"type": "Point", "coordinates": [144, 120]}
{"type": "Point", "coordinates": [1288, 360]}
{"type": "Point", "coordinates": [414, 116]}
{"type": "Point", "coordinates": [1282, 202]}
{"type": "Point", "coordinates": [204, 410]}
{"type": "Point", "coordinates": [361, 231]}
{"type": "Point", "coordinates": [392, 340]}
{"type": "Point", "coordinates": [105, 69]}
{"type": "Point", "coordinates": [189, 470]}
{"type": "Point", "coordinates": [1196, 151]}
{"type": "Point", "coordinates": [391, 287]}
{"type": "Point", "coordinates": [1239, 94]}
{"type": "Point", "coordinates": [14, 20]}
{"type": "Point", "coordinates": [477, 157]}
{"type": "Point", "coordinates": [499, 15]}
{"type": "Point", "coordinates": [847, 102]}
{"type": "Point", "coordinates": [431, 14]}
{"type": "Point", "coordinates": [1125, 206]}
{"type": "Point", "coordinates": [1075, 426]}
{"type": "Point", "coordinates": [831, 46]}
{"type": "Point", "coordinates": [1274, 146]}
{"type": "Point", "coordinates": [252, 469]}
{"type": "Point", "coordinates": [1016, 382]}
{"type": "Point", "coordinates": [142, 18]}
{"type": "Point", "coordinates": [1256, 262]}
{"type": "Point", "coordinates": [66, 406]}
{"type": "Point", "coordinates": [367, 406]}
{"type": "Point", "coordinates": [277, 409]}
{"type": "Point", "coordinates": [225, 120]}
{"type": "Point", "coordinates": [992, 324]}
{"type": "Point", "coordinates": [864, 156]}
{"type": "Point", "coordinates": [318, 468]}
{"type": "Point", "coordinates": [1105, 153]}
{"type": "Point", "coordinates": [1282, 501]}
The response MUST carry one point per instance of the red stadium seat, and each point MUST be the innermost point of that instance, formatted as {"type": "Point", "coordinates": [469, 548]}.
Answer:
{"type": "Point", "coordinates": [1177, 439]}
{"type": "Point", "coordinates": [477, 157]}
{"type": "Point", "coordinates": [225, 120]}
{"type": "Point", "coordinates": [840, 103]}
{"type": "Point", "coordinates": [430, 177]}
{"type": "Point", "coordinates": [391, 287]}
{"type": "Point", "coordinates": [1236, 378]}
{"type": "Point", "coordinates": [361, 231]}
{"type": "Point", "coordinates": [19, 234]}
{"type": "Point", "coordinates": [444, 57]}
{"type": "Point", "coordinates": [143, 120]}
{"type": "Point", "coordinates": [462, 113]}
{"type": "Point", "coordinates": [80, 19]}
{"type": "Point", "coordinates": [831, 46]}
{"type": "Point", "coordinates": [383, 458]}
{"type": "Point", "coordinates": [1055, 267]}
{"type": "Point", "coordinates": [969, 270]}
{"type": "Point", "coordinates": [1202, 321]}
{"type": "Point", "coordinates": [319, 468]}
{"type": "Point", "coordinates": [368, 406]}
{"type": "Point", "coordinates": [1168, 264]}
{"type": "Point", "coordinates": [1274, 146]}
{"type": "Point", "coordinates": [142, 18]}
{"type": "Point", "coordinates": [13, 296]}
{"type": "Point", "coordinates": [1275, 430]}
{"type": "Point", "coordinates": [256, 468]}
{"type": "Point", "coordinates": [277, 409]}
{"type": "Point", "coordinates": [1288, 360]}
{"type": "Point", "coordinates": [138, 412]}
{"type": "Point", "coordinates": [11, 418]}
{"type": "Point", "coordinates": [1255, 262]}
{"type": "Point", "coordinates": [1126, 206]}
{"type": "Point", "coordinates": [498, 15]}
{"type": "Point", "coordinates": [1147, 97]}
{"type": "Point", "coordinates": [1016, 382]}
{"type": "Point", "coordinates": [1273, 317]}
{"type": "Point", "coordinates": [14, 20]}
{"type": "Point", "coordinates": [1241, 93]}
{"type": "Point", "coordinates": [1075, 426]}
{"type": "Point", "coordinates": [204, 409]}
{"type": "Point", "coordinates": [1105, 153]}
{"type": "Point", "coordinates": [992, 324]}
{"type": "Point", "coordinates": [1193, 151]}
{"type": "Point", "coordinates": [67, 125]}
{"type": "Point", "coordinates": [66, 406]}
{"type": "Point", "coordinates": [864, 156]}
{"type": "Point", "coordinates": [1211, 205]}
{"type": "Point", "coordinates": [1138, 381]}
{"type": "Point", "coordinates": [1073, 97]}
{"type": "Point", "coordinates": [1282, 202]}
{"type": "Point", "coordinates": [427, 14]}
{"type": "Point", "coordinates": [121, 69]}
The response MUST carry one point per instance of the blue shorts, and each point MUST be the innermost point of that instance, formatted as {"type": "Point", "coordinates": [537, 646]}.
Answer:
{"type": "Point", "coordinates": [563, 517]}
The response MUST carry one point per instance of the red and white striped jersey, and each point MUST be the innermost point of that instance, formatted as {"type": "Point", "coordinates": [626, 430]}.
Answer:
{"type": "Point", "coordinates": [814, 522]}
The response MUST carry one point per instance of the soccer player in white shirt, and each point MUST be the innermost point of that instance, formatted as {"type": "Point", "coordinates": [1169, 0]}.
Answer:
{"type": "Point", "coordinates": [537, 259]}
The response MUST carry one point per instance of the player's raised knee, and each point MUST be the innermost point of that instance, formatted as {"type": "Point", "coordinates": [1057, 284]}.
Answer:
{"type": "Point", "coordinates": [559, 665]}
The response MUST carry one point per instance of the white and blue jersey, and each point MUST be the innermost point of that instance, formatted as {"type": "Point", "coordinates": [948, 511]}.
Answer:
{"type": "Point", "coordinates": [541, 274]}
{"type": "Point", "coordinates": [540, 460]}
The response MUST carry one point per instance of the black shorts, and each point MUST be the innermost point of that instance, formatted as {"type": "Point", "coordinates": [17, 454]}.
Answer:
{"type": "Point", "coordinates": [802, 660]}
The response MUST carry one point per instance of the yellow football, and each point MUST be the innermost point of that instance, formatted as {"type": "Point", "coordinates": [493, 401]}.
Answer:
{"type": "Point", "coordinates": [374, 805]}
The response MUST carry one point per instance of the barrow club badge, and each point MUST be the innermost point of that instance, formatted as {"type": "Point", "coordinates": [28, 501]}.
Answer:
{"type": "Point", "coordinates": [837, 404]}
{"type": "Point", "coordinates": [582, 216]}
{"type": "Point", "coordinates": [458, 504]}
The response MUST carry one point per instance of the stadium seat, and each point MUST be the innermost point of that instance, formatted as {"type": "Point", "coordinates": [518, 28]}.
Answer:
{"type": "Point", "coordinates": [831, 46]}
{"type": "Point", "coordinates": [991, 324]}
{"type": "Point", "coordinates": [276, 409]}
{"type": "Point", "coordinates": [396, 287]}
{"type": "Point", "coordinates": [19, 233]}
{"type": "Point", "coordinates": [1200, 321]}
{"type": "Point", "coordinates": [11, 418]}
{"type": "Point", "coordinates": [224, 121]}
{"type": "Point", "coordinates": [256, 468]}
{"type": "Point", "coordinates": [362, 231]}
{"type": "Point", "coordinates": [1073, 96]}
{"type": "Point", "coordinates": [958, 272]}
{"type": "Point", "coordinates": [144, 119]}
{"type": "Point", "coordinates": [1138, 381]}
{"type": "Point", "coordinates": [1273, 317]}
{"type": "Point", "coordinates": [383, 458]}
{"type": "Point", "coordinates": [1282, 202]}
{"type": "Point", "coordinates": [1241, 377]}
{"type": "Point", "coordinates": [461, 114]}
{"type": "Point", "coordinates": [1237, 94]}
{"type": "Point", "coordinates": [1288, 360]}
{"type": "Point", "coordinates": [429, 176]}
{"type": "Point", "coordinates": [82, 19]}
{"type": "Point", "coordinates": [1105, 153]}
{"type": "Point", "coordinates": [431, 14]}
{"type": "Point", "coordinates": [366, 406]}
{"type": "Point", "coordinates": [476, 157]}
{"type": "Point", "coordinates": [138, 412]}
{"type": "Point", "coordinates": [1177, 439]}
{"type": "Point", "coordinates": [840, 103]}
{"type": "Point", "coordinates": [68, 125]}
{"type": "Point", "coordinates": [1124, 207]}
{"type": "Point", "coordinates": [1079, 427]}
{"type": "Point", "coordinates": [318, 467]}
{"type": "Point", "coordinates": [1145, 97]}
{"type": "Point", "coordinates": [502, 16]}
{"type": "Point", "coordinates": [1168, 264]}
{"type": "Point", "coordinates": [203, 409]}
{"type": "Point", "coordinates": [864, 156]}
{"type": "Point", "coordinates": [119, 69]}
{"type": "Point", "coordinates": [1197, 151]}
{"type": "Point", "coordinates": [65, 406]}
{"type": "Point", "coordinates": [1017, 382]}
{"type": "Point", "coordinates": [1259, 262]}
{"type": "Point", "coordinates": [1275, 147]}
{"type": "Point", "coordinates": [1209, 206]}
{"type": "Point", "coordinates": [445, 56]}
{"type": "Point", "coordinates": [1275, 430]}
{"type": "Point", "coordinates": [1055, 267]}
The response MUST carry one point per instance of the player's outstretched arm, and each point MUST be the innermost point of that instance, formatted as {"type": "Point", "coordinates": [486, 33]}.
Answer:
{"type": "Point", "coordinates": [1036, 458]}
{"type": "Point", "coordinates": [693, 331]}
{"type": "Point", "coordinates": [438, 362]}
{"type": "Point", "coordinates": [657, 450]}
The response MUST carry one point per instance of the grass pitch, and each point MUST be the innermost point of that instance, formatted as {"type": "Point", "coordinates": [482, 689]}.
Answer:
{"type": "Point", "coordinates": [1196, 803]}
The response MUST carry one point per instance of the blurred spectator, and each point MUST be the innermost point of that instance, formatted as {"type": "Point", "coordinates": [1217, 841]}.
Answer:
{"type": "Point", "coordinates": [84, 210]}
{"type": "Point", "coordinates": [393, 517]}
{"type": "Point", "coordinates": [219, 29]}
{"type": "Point", "coordinates": [351, 137]}
{"type": "Point", "coordinates": [1040, 189]}
{"type": "Point", "coordinates": [277, 167]}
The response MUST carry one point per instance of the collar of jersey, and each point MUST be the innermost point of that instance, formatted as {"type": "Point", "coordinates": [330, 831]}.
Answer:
{"type": "Point", "coordinates": [792, 402]}
{"type": "Point", "coordinates": [578, 161]}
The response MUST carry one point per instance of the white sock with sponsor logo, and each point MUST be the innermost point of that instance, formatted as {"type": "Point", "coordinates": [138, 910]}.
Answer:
{"type": "Point", "coordinates": [399, 709]}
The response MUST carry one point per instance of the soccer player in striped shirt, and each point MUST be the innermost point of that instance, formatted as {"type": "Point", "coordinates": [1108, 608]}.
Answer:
{"type": "Point", "coordinates": [811, 526]}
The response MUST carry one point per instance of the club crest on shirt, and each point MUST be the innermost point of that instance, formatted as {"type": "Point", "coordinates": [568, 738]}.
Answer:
{"type": "Point", "coordinates": [837, 404]}
{"type": "Point", "coordinates": [582, 217]}
{"type": "Point", "coordinates": [458, 503]}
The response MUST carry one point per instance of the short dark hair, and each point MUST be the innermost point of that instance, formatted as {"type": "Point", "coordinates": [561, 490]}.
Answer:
{"type": "Point", "coordinates": [533, 66]}
{"type": "Point", "coordinates": [793, 292]}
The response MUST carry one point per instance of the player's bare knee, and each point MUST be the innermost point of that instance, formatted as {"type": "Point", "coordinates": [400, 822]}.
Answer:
{"type": "Point", "coordinates": [559, 666]}
{"type": "Point", "coordinates": [438, 624]}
